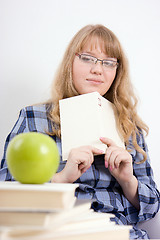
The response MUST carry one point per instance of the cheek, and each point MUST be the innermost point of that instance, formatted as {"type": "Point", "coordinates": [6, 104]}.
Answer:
{"type": "Point", "coordinates": [109, 79]}
{"type": "Point", "coordinates": [78, 71]}
{"type": "Point", "coordinates": [75, 71]}
{"type": "Point", "coordinates": [76, 76]}
{"type": "Point", "coordinates": [110, 76]}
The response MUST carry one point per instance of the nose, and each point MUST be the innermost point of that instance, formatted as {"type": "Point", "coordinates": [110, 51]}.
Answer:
{"type": "Point", "coordinates": [97, 68]}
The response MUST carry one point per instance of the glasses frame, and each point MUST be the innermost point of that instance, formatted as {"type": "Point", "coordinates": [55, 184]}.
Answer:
{"type": "Point", "coordinates": [98, 60]}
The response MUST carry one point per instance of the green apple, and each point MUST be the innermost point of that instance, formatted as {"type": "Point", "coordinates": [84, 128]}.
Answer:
{"type": "Point", "coordinates": [32, 157]}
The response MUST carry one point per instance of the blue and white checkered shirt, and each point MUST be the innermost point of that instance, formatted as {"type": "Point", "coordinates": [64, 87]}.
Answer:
{"type": "Point", "coordinates": [97, 183]}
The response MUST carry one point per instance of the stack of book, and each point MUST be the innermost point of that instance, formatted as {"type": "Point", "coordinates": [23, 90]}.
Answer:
{"type": "Point", "coordinates": [51, 211]}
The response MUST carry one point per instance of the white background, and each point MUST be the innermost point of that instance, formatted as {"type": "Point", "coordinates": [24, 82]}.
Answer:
{"type": "Point", "coordinates": [35, 33]}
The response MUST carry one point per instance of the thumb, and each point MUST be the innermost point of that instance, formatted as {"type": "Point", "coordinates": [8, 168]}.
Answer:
{"type": "Point", "coordinates": [107, 141]}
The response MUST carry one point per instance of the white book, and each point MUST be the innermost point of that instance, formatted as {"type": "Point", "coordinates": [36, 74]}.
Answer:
{"type": "Point", "coordinates": [15, 196]}
{"type": "Point", "coordinates": [84, 119]}
{"type": "Point", "coordinates": [35, 219]}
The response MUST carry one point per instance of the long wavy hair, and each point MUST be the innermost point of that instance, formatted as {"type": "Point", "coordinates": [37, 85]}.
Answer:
{"type": "Point", "coordinates": [121, 92]}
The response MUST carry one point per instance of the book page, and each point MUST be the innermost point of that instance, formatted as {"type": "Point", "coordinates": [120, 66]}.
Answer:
{"type": "Point", "coordinates": [108, 122]}
{"type": "Point", "coordinates": [79, 121]}
{"type": "Point", "coordinates": [86, 118]}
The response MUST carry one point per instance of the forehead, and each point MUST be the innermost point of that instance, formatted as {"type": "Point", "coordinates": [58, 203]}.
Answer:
{"type": "Point", "coordinates": [94, 43]}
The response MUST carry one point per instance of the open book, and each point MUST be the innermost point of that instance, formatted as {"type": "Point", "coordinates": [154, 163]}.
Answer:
{"type": "Point", "coordinates": [86, 118]}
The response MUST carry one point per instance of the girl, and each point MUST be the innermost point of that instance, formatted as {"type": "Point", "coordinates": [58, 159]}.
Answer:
{"type": "Point", "coordinates": [120, 180]}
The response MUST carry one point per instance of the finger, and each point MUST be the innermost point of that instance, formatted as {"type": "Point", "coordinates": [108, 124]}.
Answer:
{"type": "Point", "coordinates": [106, 164]}
{"type": "Point", "coordinates": [84, 168]}
{"type": "Point", "coordinates": [90, 159]}
{"type": "Point", "coordinates": [89, 155]}
{"type": "Point", "coordinates": [108, 155]}
{"type": "Point", "coordinates": [84, 164]}
{"type": "Point", "coordinates": [97, 151]}
{"type": "Point", "coordinates": [123, 156]}
{"type": "Point", "coordinates": [86, 159]}
{"type": "Point", "coordinates": [118, 160]}
{"type": "Point", "coordinates": [107, 141]}
{"type": "Point", "coordinates": [112, 158]}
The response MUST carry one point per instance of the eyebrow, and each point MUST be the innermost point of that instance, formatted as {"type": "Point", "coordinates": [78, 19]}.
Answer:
{"type": "Point", "coordinates": [92, 54]}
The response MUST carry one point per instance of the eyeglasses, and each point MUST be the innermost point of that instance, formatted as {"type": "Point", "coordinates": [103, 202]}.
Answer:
{"type": "Point", "coordinates": [88, 59]}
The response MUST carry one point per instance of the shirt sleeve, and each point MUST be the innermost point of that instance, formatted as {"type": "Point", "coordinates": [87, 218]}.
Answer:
{"type": "Point", "coordinates": [148, 193]}
{"type": "Point", "coordinates": [31, 119]}
{"type": "Point", "coordinates": [19, 127]}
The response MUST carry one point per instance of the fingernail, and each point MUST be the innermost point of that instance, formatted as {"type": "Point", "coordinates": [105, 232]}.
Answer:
{"type": "Point", "coordinates": [111, 168]}
{"type": "Point", "coordinates": [106, 164]}
{"type": "Point", "coordinates": [102, 151]}
{"type": "Point", "coordinates": [101, 138]}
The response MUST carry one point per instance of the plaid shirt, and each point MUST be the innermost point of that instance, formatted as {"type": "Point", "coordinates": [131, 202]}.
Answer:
{"type": "Point", "coordinates": [97, 183]}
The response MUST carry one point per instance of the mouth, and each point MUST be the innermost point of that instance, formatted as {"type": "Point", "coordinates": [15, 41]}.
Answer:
{"type": "Point", "coordinates": [94, 81]}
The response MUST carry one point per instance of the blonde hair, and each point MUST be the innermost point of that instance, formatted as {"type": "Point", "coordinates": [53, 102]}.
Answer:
{"type": "Point", "coordinates": [120, 93]}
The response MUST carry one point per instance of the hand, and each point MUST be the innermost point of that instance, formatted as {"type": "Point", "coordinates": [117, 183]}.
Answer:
{"type": "Point", "coordinates": [118, 161]}
{"type": "Point", "coordinates": [79, 160]}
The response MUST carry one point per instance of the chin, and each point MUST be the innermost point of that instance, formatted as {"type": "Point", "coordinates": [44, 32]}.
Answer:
{"type": "Point", "coordinates": [85, 91]}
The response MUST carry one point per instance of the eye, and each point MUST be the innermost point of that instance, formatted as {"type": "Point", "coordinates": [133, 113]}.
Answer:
{"type": "Point", "coordinates": [87, 58]}
{"type": "Point", "coordinates": [108, 63]}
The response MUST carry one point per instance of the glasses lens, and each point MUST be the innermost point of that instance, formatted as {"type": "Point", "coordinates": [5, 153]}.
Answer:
{"type": "Point", "coordinates": [87, 58]}
{"type": "Point", "coordinates": [93, 60]}
{"type": "Point", "coordinates": [109, 63]}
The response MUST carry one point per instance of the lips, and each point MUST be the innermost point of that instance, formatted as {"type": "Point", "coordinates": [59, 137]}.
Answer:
{"type": "Point", "coordinates": [94, 81]}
